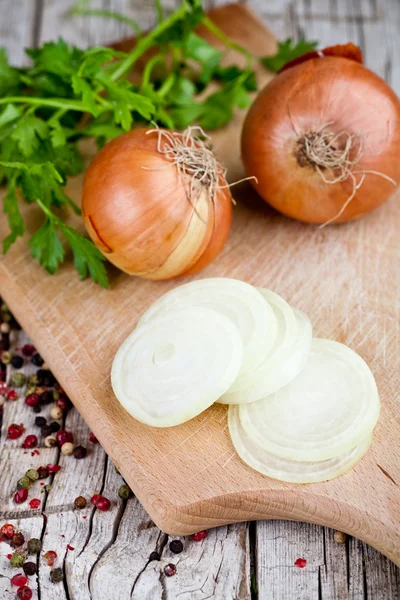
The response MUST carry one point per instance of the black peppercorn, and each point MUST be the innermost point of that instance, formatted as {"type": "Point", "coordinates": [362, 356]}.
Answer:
{"type": "Point", "coordinates": [34, 546]}
{"type": "Point", "coordinates": [5, 342]}
{"type": "Point", "coordinates": [56, 575]}
{"type": "Point", "coordinates": [37, 360]}
{"type": "Point", "coordinates": [17, 361]}
{"type": "Point", "coordinates": [79, 452]}
{"type": "Point", "coordinates": [30, 569]}
{"type": "Point", "coordinates": [45, 398]}
{"type": "Point", "coordinates": [80, 502]}
{"type": "Point", "coordinates": [37, 408]}
{"type": "Point", "coordinates": [46, 378]}
{"type": "Point", "coordinates": [40, 421]}
{"type": "Point", "coordinates": [154, 556]}
{"type": "Point", "coordinates": [55, 426]}
{"type": "Point", "coordinates": [46, 430]}
{"type": "Point", "coordinates": [176, 546]}
{"type": "Point", "coordinates": [43, 472]}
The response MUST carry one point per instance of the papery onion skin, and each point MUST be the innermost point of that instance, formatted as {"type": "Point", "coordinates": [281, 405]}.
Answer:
{"type": "Point", "coordinates": [142, 220]}
{"type": "Point", "coordinates": [303, 98]}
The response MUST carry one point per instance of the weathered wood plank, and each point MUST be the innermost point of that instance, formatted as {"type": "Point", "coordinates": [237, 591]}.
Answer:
{"type": "Point", "coordinates": [17, 28]}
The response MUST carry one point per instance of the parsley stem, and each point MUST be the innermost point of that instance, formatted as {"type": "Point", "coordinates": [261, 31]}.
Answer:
{"type": "Point", "coordinates": [54, 103]}
{"type": "Point", "coordinates": [157, 58]}
{"type": "Point", "coordinates": [159, 10]}
{"type": "Point", "coordinates": [211, 26]}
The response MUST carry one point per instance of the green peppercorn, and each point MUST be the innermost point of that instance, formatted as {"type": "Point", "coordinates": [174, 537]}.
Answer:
{"type": "Point", "coordinates": [34, 546]}
{"type": "Point", "coordinates": [6, 357]}
{"type": "Point", "coordinates": [17, 560]}
{"type": "Point", "coordinates": [31, 389]}
{"type": "Point", "coordinates": [32, 474]}
{"type": "Point", "coordinates": [18, 380]}
{"type": "Point", "coordinates": [117, 470]}
{"type": "Point", "coordinates": [48, 487]}
{"type": "Point", "coordinates": [33, 380]}
{"type": "Point", "coordinates": [56, 395]}
{"type": "Point", "coordinates": [24, 483]}
{"type": "Point", "coordinates": [56, 575]}
{"type": "Point", "coordinates": [124, 492]}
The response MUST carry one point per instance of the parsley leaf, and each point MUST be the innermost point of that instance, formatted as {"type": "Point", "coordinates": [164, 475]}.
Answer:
{"type": "Point", "coordinates": [88, 260]}
{"type": "Point", "coordinates": [15, 220]}
{"type": "Point", "coordinates": [46, 246]}
{"type": "Point", "coordinates": [287, 50]}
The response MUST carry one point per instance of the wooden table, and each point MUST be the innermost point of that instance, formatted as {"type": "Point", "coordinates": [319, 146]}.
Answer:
{"type": "Point", "coordinates": [106, 555]}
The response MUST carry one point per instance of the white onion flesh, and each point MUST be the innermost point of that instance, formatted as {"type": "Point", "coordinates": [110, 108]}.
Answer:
{"type": "Point", "coordinates": [173, 367]}
{"type": "Point", "coordinates": [285, 360]}
{"type": "Point", "coordinates": [240, 302]}
{"type": "Point", "coordinates": [287, 470]}
{"type": "Point", "coordinates": [328, 409]}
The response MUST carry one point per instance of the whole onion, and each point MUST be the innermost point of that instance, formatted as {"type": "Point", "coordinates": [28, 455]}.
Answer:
{"type": "Point", "coordinates": [322, 138]}
{"type": "Point", "coordinates": [156, 203]}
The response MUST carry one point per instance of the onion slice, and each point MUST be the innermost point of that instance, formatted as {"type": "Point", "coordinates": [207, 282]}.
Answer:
{"type": "Point", "coordinates": [284, 469]}
{"type": "Point", "coordinates": [173, 367]}
{"type": "Point", "coordinates": [285, 361]}
{"type": "Point", "coordinates": [328, 409]}
{"type": "Point", "coordinates": [240, 302]}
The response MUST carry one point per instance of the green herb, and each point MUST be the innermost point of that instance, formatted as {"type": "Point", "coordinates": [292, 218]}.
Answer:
{"type": "Point", "coordinates": [287, 50]}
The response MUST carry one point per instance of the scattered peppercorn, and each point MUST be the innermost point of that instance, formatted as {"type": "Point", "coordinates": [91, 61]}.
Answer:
{"type": "Point", "coordinates": [67, 449]}
{"type": "Point", "coordinates": [34, 503]}
{"type": "Point", "coordinates": [28, 350]}
{"type": "Point", "coordinates": [103, 504]}
{"type": "Point", "coordinates": [48, 487]}
{"type": "Point", "coordinates": [6, 357]}
{"type": "Point", "coordinates": [34, 546]}
{"type": "Point", "coordinates": [170, 570]}
{"type": "Point", "coordinates": [95, 498]}
{"type": "Point", "coordinates": [18, 539]}
{"type": "Point", "coordinates": [17, 560]}
{"type": "Point", "coordinates": [79, 452]}
{"type": "Point", "coordinates": [20, 496]}
{"type": "Point", "coordinates": [45, 398]}
{"type": "Point", "coordinates": [43, 472]}
{"type": "Point", "coordinates": [7, 530]}
{"type": "Point", "coordinates": [19, 580]}
{"type": "Point", "coordinates": [45, 377]}
{"type": "Point", "coordinates": [30, 568]}
{"type": "Point", "coordinates": [32, 399]}
{"type": "Point", "coordinates": [200, 535]}
{"type": "Point", "coordinates": [15, 431]}
{"type": "Point", "coordinates": [5, 328]}
{"type": "Point", "coordinates": [124, 492]}
{"type": "Point", "coordinates": [55, 426]}
{"type": "Point", "coordinates": [50, 441]}
{"type": "Point", "coordinates": [64, 436]}
{"type": "Point", "coordinates": [12, 395]}
{"type": "Point", "coordinates": [300, 563]}
{"type": "Point", "coordinates": [17, 361]}
{"type": "Point", "coordinates": [80, 502]}
{"type": "Point", "coordinates": [50, 557]}
{"type": "Point", "coordinates": [340, 537]}
{"type": "Point", "coordinates": [56, 413]}
{"type": "Point", "coordinates": [24, 483]}
{"type": "Point", "coordinates": [24, 593]}
{"type": "Point", "coordinates": [30, 441]}
{"type": "Point", "coordinates": [93, 438]}
{"type": "Point", "coordinates": [40, 422]}
{"type": "Point", "coordinates": [37, 408]}
{"type": "Point", "coordinates": [176, 546]}
{"type": "Point", "coordinates": [33, 380]}
{"type": "Point", "coordinates": [154, 556]}
{"type": "Point", "coordinates": [37, 360]}
{"type": "Point", "coordinates": [5, 342]}
{"type": "Point", "coordinates": [56, 575]}
{"type": "Point", "coordinates": [18, 380]}
{"type": "Point", "coordinates": [64, 402]}
{"type": "Point", "coordinates": [31, 389]}
{"type": "Point", "coordinates": [46, 430]}
{"type": "Point", "coordinates": [56, 395]}
{"type": "Point", "coordinates": [32, 474]}
{"type": "Point", "coordinates": [53, 468]}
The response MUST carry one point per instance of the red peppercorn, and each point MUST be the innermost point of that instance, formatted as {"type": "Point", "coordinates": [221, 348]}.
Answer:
{"type": "Point", "coordinates": [200, 535]}
{"type": "Point", "coordinates": [15, 431]}
{"type": "Point", "coordinates": [300, 562]}
{"type": "Point", "coordinates": [19, 580]}
{"type": "Point", "coordinates": [170, 570]}
{"type": "Point", "coordinates": [101, 502]}
{"type": "Point", "coordinates": [4, 389]}
{"type": "Point", "coordinates": [34, 503]}
{"type": "Point", "coordinates": [7, 530]}
{"type": "Point", "coordinates": [20, 496]}
{"type": "Point", "coordinates": [64, 436]}
{"type": "Point", "coordinates": [12, 395]}
{"type": "Point", "coordinates": [24, 593]}
{"type": "Point", "coordinates": [64, 402]}
{"type": "Point", "coordinates": [28, 350]}
{"type": "Point", "coordinates": [18, 539]}
{"type": "Point", "coordinates": [93, 438]}
{"type": "Point", "coordinates": [53, 468]}
{"type": "Point", "coordinates": [50, 557]}
{"type": "Point", "coordinates": [32, 399]}
{"type": "Point", "coordinates": [30, 441]}
{"type": "Point", "coordinates": [95, 498]}
{"type": "Point", "coordinates": [43, 472]}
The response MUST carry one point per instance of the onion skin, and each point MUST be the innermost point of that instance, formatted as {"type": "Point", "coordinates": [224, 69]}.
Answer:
{"type": "Point", "coordinates": [142, 220]}
{"type": "Point", "coordinates": [303, 98]}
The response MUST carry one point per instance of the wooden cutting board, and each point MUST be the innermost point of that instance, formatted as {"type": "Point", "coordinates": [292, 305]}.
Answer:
{"type": "Point", "coordinates": [347, 278]}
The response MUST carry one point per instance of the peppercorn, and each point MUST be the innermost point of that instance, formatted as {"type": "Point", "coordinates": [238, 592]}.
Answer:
{"type": "Point", "coordinates": [93, 438]}
{"type": "Point", "coordinates": [80, 502]}
{"type": "Point", "coordinates": [17, 560]}
{"type": "Point", "coordinates": [34, 546]}
{"type": "Point", "coordinates": [40, 421]}
{"type": "Point", "coordinates": [15, 431]}
{"type": "Point", "coordinates": [18, 539]}
{"type": "Point", "coordinates": [67, 448]}
{"type": "Point", "coordinates": [170, 570]}
{"type": "Point", "coordinates": [7, 530]}
{"type": "Point", "coordinates": [48, 487]}
{"type": "Point", "coordinates": [18, 380]}
{"type": "Point", "coordinates": [46, 430]}
{"type": "Point", "coordinates": [30, 441]}
{"type": "Point", "coordinates": [32, 399]}
{"type": "Point", "coordinates": [24, 483]}
{"type": "Point", "coordinates": [32, 474]}
{"type": "Point", "coordinates": [64, 436]}
{"type": "Point", "coordinates": [6, 357]}
{"type": "Point", "coordinates": [56, 575]}
{"type": "Point", "coordinates": [124, 492]}
{"type": "Point", "coordinates": [5, 342]}
{"type": "Point", "coordinates": [37, 408]}
{"type": "Point", "coordinates": [79, 452]}
{"type": "Point", "coordinates": [43, 472]}
{"type": "Point", "coordinates": [37, 360]}
{"type": "Point", "coordinates": [17, 361]}
{"type": "Point", "coordinates": [55, 426]}
{"type": "Point", "coordinates": [30, 389]}
{"type": "Point", "coordinates": [340, 537]}
{"type": "Point", "coordinates": [64, 403]}
{"type": "Point", "coordinates": [45, 377]}
{"type": "Point", "coordinates": [200, 535]}
{"type": "Point", "coordinates": [28, 350]}
{"type": "Point", "coordinates": [56, 395]}
{"type": "Point", "coordinates": [30, 569]}
{"type": "Point", "coordinates": [18, 580]}
{"type": "Point", "coordinates": [12, 395]}
{"type": "Point", "coordinates": [176, 546]}
{"type": "Point", "coordinates": [56, 413]}
{"type": "Point", "coordinates": [33, 380]}
{"type": "Point", "coordinates": [45, 398]}
{"type": "Point", "coordinates": [20, 496]}
{"type": "Point", "coordinates": [50, 441]}
{"type": "Point", "coordinates": [5, 328]}
{"type": "Point", "coordinates": [154, 556]}
{"type": "Point", "coordinates": [24, 593]}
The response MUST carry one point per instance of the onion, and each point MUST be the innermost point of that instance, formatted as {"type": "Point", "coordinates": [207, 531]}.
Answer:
{"type": "Point", "coordinates": [322, 139]}
{"type": "Point", "coordinates": [285, 361]}
{"type": "Point", "coordinates": [172, 368]}
{"type": "Point", "coordinates": [157, 204]}
{"type": "Point", "coordinates": [328, 409]}
{"type": "Point", "coordinates": [240, 302]}
{"type": "Point", "coordinates": [284, 469]}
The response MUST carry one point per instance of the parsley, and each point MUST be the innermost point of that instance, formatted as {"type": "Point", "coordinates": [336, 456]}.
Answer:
{"type": "Point", "coordinates": [67, 94]}
{"type": "Point", "coordinates": [287, 50]}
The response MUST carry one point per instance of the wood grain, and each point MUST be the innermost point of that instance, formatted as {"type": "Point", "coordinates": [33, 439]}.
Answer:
{"type": "Point", "coordinates": [274, 280]}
